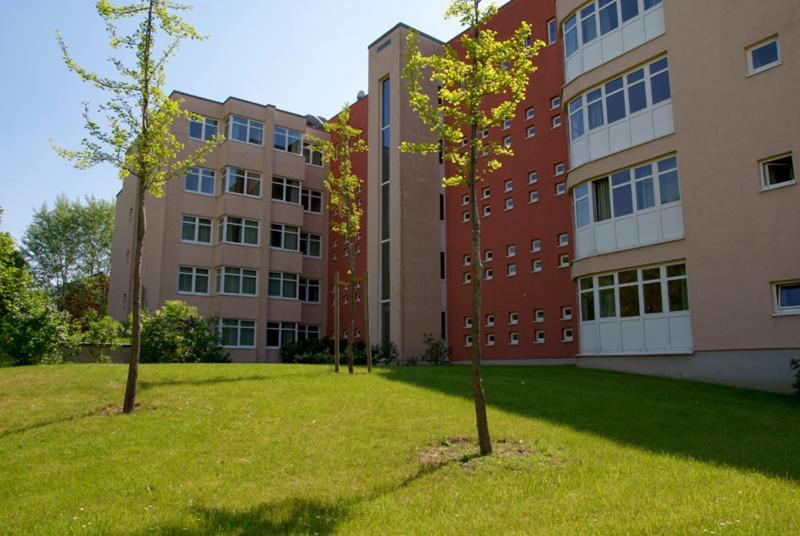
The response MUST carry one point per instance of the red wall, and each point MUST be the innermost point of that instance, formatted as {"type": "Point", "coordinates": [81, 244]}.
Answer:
{"type": "Point", "coordinates": [551, 288]}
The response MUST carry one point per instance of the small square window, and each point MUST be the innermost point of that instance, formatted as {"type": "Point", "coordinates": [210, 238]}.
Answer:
{"type": "Point", "coordinates": [513, 338]}
{"type": "Point", "coordinates": [487, 210]}
{"type": "Point", "coordinates": [529, 113]}
{"type": "Point", "coordinates": [488, 274]}
{"type": "Point", "coordinates": [778, 171]}
{"type": "Point", "coordinates": [787, 298]}
{"type": "Point", "coordinates": [467, 277]}
{"type": "Point", "coordinates": [508, 185]}
{"type": "Point", "coordinates": [566, 335]}
{"type": "Point", "coordinates": [563, 240]}
{"type": "Point", "coordinates": [507, 141]}
{"type": "Point", "coordinates": [506, 124]}
{"type": "Point", "coordinates": [552, 31]}
{"type": "Point", "coordinates": [538, 315]}
{"type": "Point", "coordinates": [531, 132]}
{"type": "Point", "coordinates": [561, 188]}
{"type": "Point", "coordinates": [488, 255]}
{"type": "Point", "coordinates": [533, 196]}
{"type": "Point", "coordinates": [533, 177]}
{"type": "Point", "coordinates": [537, 265]}
{"type": "Point", "coordinates": [467, 321]}
{"type": "Point", "coordinates": [485, 133]}
{"type": "Point", "coordinates": [558, 169]}
{"type": "Point", "coordinates": [555, 102]}
{"type": "Point", "coordinates": [563, 261]}
{"type": "Point", "coordinates": [464, 200]}
{"type": "Point", "coordinates": [511, 270]}
{"type": "Point", "coordinates": [509, 203]}
{"type": "Point", "coordinates": [536, 245]}
{"type": "Point", "coordinates": [555, 121]}
{"type": "Point", "coordinates": [566, 312]}
{"type": "Point", "coordinates": [486, 193]}
{"type": "Point", "coordinates": [511, 250]}
{"type": "Point", "coordinates": [468, 341]}
{"type": "Point", "coordinates": [763, 56]}
{"type": "Point", "coordinates": [513, 318]}
{"type": "Point", "coordinates": [540, 337]}
{"type": "Point", "coordinates": [464, 217]}
{"type": "Point", "coordinates": [489, 321]}
{"type": "Point", "coordinates": [490, 339]}
{"type": "Point", "coordinates": [467, 260]}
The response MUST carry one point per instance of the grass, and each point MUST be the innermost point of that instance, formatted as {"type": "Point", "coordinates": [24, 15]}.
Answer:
{"type": "Point", "coordinates": [255, 449]}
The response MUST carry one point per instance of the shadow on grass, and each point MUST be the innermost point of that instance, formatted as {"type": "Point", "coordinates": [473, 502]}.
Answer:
{"type": "Point", "coordinates": [229, 379]}
{"type": "Point", "coordinates": [719, 425]}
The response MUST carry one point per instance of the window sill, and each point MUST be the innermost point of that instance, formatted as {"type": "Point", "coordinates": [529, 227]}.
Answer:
{"type": "Point", "coordinates": [778, 186]}
{"type": "Point", "coordinates": [787, 313]}
{"type": "Point", "coordinates": [237, 244]}
{"type": "Point", "coordinates": [197, 193]}
{"type": "Point", "coordinates": [285, 151]}
{"type": "Point", "coordinates": [193, 293]}
{"type": "Point", "coordinates": [282, 202]}
{"type": "Point", "coordinates": [251, 145]}
{"type": "Point", "coordinates": [765, 68]}
{"type": "Point", "coordinates": [196, 243]}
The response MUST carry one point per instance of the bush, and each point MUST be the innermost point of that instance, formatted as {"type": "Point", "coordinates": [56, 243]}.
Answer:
{"type": "Point", "coordinates": [385, 353]}
{"type": "Point", "coordinates": [176, 333]}
{"type": "Point", "coordinates": [435, 350]}
{"type": "Point", "coordinates": [320, 358]}
{"type": "Point", "coordinates": [290, 352]}
{"type": "Point", "coordinates": [795, 364]}
{"type": "Point", "coordinates": [102, 335]}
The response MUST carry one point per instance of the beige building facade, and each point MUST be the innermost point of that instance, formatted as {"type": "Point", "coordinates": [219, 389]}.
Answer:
{"type": "Point", "coordinates": [684, 138]}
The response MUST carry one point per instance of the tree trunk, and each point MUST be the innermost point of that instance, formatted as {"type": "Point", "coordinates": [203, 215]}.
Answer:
{"type": "Point", "coordinates": [481, 420]}
{"type": "Point", "coordinates": [136, 303]}
{"type": "Point", "coordinates": [366, 321]}
{"type": "Point", "coordinates": [351, 309]}
{"type": "Point", "coordinates": [336, 331]}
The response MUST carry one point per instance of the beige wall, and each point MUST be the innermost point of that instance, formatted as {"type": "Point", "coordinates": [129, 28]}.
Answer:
{"type": "Point", "coordinates": [738, 239]}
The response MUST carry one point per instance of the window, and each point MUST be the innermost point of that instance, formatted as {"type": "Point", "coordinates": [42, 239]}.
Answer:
{"type": "Point", "coordinates": [489, 321]}
{"type": "Point", "coordinates": [467, 277]}
{"type": "Point", "coordinates": [566, 335]}
{"type": "Point", "coordinates": [530, 113]}
{"type": "Point", "coordinates": [539, 337]}
{"type": "Point", "coordinates": [236, 281]}
{"type": "Point", "coordinates": [243, 182]}
{"type": "Point", "coordinates": [563, 261]}
{"type": "Point", "coordinates": [537, 265]}
{"type": "Point", "coordinates": [507, 141]}
{"type": "Point", "coordinates": [488, 274]}
{"type": "Point", "coordinates": [555, 121]}
{"type": "Point", "coordinates": [237, 333]}
{"type": "Point", "coordinates": [552, 31]}
{"type": "Point", "coordinates": [536, 245]}
{"type": "Point", "coordinates": [287, 140]}
{"type": "Point", "coordinates": [531, 131]}
{"type": "Point", "coordinates": [508, 185]}
{"type": "Point", "coordinates": [506, 124]}
{"type": "Point", "coordinates": [528, 41]}
{"type": "Point", "coordinates": [196, 229]}
{"type": "Point", "coordinates": [563, 240]}
{"type": "Point", "coordinates": [538, 315]}
{"type": "Point", "coordinates": [464, 200]}
{"type": "Point", "coordinates": [484, 133]}
{"type": "Point", "coordinates": [486, 193]}
{"type": "Point", "coordinates": [464, 217]}
{"type": "Point", "coordinates": [468, 341]}
{"type": "Point", "coordinates": [312, 158]}
{"type": "Point", "coordinates": [305, 333]}
{"type": "Point", "coordinates": [533, 196]}
{"type": "Point", "coordinates": [467, 321]}
{"type": "Point", "coordinates": [582, 28]}
{"type": "Point", "coordinates": [555, 102]}
{"type": "Point", "coordinates": [238, 230]}
{"type": "Point", "coordinates": [763, 56]}
{"type": "Point", "coordinates": [533, 177]}
{"type": "Point", "coordinates": [513, 318]}
{"type": "Point", "coordinates": [561, 188]}
{"type": "Point", "coordinates": [787, 297]}
{"type": "Point", "coordinates": [511, 250]}
{"type": "Point", "coordinates": [282, 285]}
{"type": "Point", "coordinates": [511, 270]}
{"type": "Point", "coordinates": [311, 201]}
{"type": "Point", "coordinates": [566, 312]}
{"type": "Point", "coordinates": [308, 290]}
{"type": "Point", "coordinates": [311, 245]}
{"type": "Point", "coordinates": [192, 280]}
{"type": "Point", "coordinates": [509, 203]}
{"type": "Point", "coordinates": [203, 128]}
{"type": "Point", "coordinates": [282, 333]}
{"type": "Point", "coordinates": [513, 338]}
{"type": "Point", "coordinates": [778, 171]}
{"type": "Point", "coordinates": [487, 210]}
{"type": "Point", "coordinates": [558, 169]}
{"type": "Point", "coordinates": [199, 181]}
{"type": "Point", "coordinates": [488, 255]}
{"type": "Point", "coordinates": [244, 130]}
{"type": "Point", "coordinates": [284, 237]}
{"type": "Point", "coordinates": [467, 260]}
{"type": "Point", "coordinates": [286, 190]}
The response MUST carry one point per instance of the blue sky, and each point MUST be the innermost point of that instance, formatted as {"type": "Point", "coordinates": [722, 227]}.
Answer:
{"type": "Point", "coordinates": [306, 56]}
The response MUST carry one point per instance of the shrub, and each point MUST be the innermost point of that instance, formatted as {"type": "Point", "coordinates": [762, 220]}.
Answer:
{"type": "Point", "coordinates": [102, 335]}
{"type": "Point", "coordinates": [386, 353]}
{"type": "Point", "coordinates": [795, 364]}
{"type": "Point", "coordinates": [176, 333]}
{"type": "Point", "coordinates": [289, 352]}
{"type": "Point", "coordinates": [435, 350]}
{"type": "Point", "coordinates": [319, 358]}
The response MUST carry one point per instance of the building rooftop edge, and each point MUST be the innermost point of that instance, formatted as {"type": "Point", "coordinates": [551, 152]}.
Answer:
{"type": "Point", "coordinates": [229, 98]}
{"type": "Point", "coordinates": [407, 27]}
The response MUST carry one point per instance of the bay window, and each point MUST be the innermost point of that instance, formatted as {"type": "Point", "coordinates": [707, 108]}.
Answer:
{"type": "Point", "coordinates": [284, 237]}
{"type": "Point", "coordinates": [237, 333]}
{"type": "Point", "coordinates": [244, 130]}
{"type": "Point", "coordinates": [282, 285]}
{"type": "Point", "coordinates": [236, 281]}
{"type": "Point", "coordinates": [286, 190]}
{"type": "Point", "coordinates": [243, 182]}
{"type": "Point", "coordinates": [287, 140]}
{"type": "Point", "coordinates": [235, 230]}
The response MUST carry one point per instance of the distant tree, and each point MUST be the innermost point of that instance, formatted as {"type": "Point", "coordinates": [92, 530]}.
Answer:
{"type": "Point", "coordinates": [345, 214]}
{"type": "Point", "coordinates": [139, 115]}
{"type": "Point", "coordinates": [481, 87]}
{"type": "Point", "coordinates": [69, 242]}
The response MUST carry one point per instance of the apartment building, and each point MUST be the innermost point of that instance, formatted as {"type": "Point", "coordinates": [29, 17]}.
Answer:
{"type": "Point", "coordinates": [683, 140]}
{"type": "Point", "coordinates": [241, 238]}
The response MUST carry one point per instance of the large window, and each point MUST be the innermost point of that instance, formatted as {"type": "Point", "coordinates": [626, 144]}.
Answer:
{"type": "Point", "coordinates": [763, 56]}
{"type": "Point", "coordinates": [237, 333]}
{"type": "Point", "coordinates": [286, 190]}
{"type": "Point", "coordinates": [245, 130]}
{"type": "Point", "coordinates": [284, 237]}
{"type": "Point", "coordinates": [192, 280]}
{"type": "Point", "coordinates": [282, 285]}
{"type": "Point", "coordinates": [287, 140]}
{"type": "Point", "coordinates": [309, 290]}
{"type": "Point", "coordinates": [236, 230]}
{"type": "Point", "coordinates": [203, 128]}
{"type": "Point", "coordinates": [196, 229]}
{"type": "Point", "coordinates": [311, 201]}
{"type": "Point", "coordinates": [281, 333]}
{"type": "Point", "coordinates": [311, 245]}
{"type": "Point", "coordinates": [243, 182]}
{"type": "Point", "coordinates": [199, 181]}
{"type": "Point", "coordinates": [236, 281]}
{"type": "Point", "coordinates": [313, 158]}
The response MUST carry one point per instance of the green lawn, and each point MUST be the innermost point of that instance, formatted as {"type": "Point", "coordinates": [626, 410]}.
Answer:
{"type": "Point", "coordinates": [259, 449]}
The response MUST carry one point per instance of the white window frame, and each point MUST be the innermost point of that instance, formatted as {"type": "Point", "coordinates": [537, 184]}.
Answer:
{"type": "Point", "coordinates": [488, 274]}
{"type": "Point", "coordinates": [308, 239]}
{"type": "Point", "coordinates": [786, 310]}
{"type": "Point", "coordinates": [555, 102]}
{"type": "Point", "coordinates": [530, 113]}
{"type": "Point", "coordinates": [513, 318]}
{"type": "Point", "coordinates": [538, 316]}
{"type": "Point", "coordinates": [307, 196]}
{"type": "Point", "coordinates": [202, 173]}
{"type": "Point", "coordinates": [248, 177]}
{"type": "Point", "coordinates": [558, 169]}
{"type": "Point", "coordinates": [305, 285]}
{"type": "Point", "coordinates": [283, 279]}
{"type": "Point", "coordinates": [536, 245]}
{"type": "Point", "coordinates": [509, 203]}
{"type": "Point", "coordinates": [513, 338]}
{"type": "Point", "coordinates": [248, 124]}
{"type": "Point", "coordinates": [511, 250]}
{"type": "Point", "coordinates": [561, 188]}
{"type": "Point", "coordinates": [488, 255]}
{"type": "Point", "coordinates": [507, 141]}
{"type": "Point", "coordinates": [282, 328]}
{"type": "Point", "coordinates": [287, 186]}
{"type": "Point", "coordinates": [762, 164]}
{"type": "Point", "coordinates": [530, 132]}
{"type": "Point", "coordinates": [752, 48]}
{"type": "Point", "coordinates": [552, 31]}
{"type": "Point", "coordinates": [246, 223]}
{"type": "Point", "coordinates": [555, 121]}
{"type": "Point", "coordinates": [486, 193]}
{"type": "Point", "coordinates": [465, 200]}
{"type": "Point", "coordinates": [309, 154]}
{"type": "Point", "coordinates": [506, 124]}
{"type": "Point", "coordinates": [467, 259]}
{"type": "Point", "coordinates": [563, 240]}
{"type": "Point", "coordinates": [467, 278]}
{"type": "Point", "coordinates": [537, 265]}
{"type": "Point", "coordinates": [468, 341]}
{"type": "Point", "coordinates": [508, 186]}
{"type": "Point", "coordinates": [284, 230]}
{"type": "Point", "coordinates": [196, 223]}
{"type": "Point", "coordinates": [539, 336]}
{"type": "Point", "coordinates": [240, 326]}
{"type": "Point", "coordinates": [221, 272]}
{"type": "Point", "coordinates": [490, 339]}
{"type": "Point", "coordinates": [487, 211]}
{"type": "Point", "coordinates": [533, 196]}
{"type": "Point", "coordinates": [204, 128]}
{"type": "Point", "coordinates": [566, 312]}
{"type": "Point", "coordinates": [490, 320]}
{"type": "Point", "coordinates": [193, 273]}
{"type": "Point", "coordinates": [563, 261]}
{"type": "Point", "coordinates": [285, 132]}
{"type": "Point", "coordinates": [465, 217]}
{"type": "Point", "coordinates": [467, 321]}
{"type": "Point", "coordinates": [511, 270]}
{"type": "Point", "coordinates": [533, 177]}
{"type": "Point", "coordinates": [567, 335]}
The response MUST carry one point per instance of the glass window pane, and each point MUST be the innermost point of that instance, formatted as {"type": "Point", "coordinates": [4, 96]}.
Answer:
{"type": "Point", "coordinates": [195, 129]}
{"type": "Point", "coordinates": [279, 138]}
{"type": "Point", "coordinates": [628, 276]}
{"type": "Point", "coordinates": [652, 297]}
{"type": "Point", "coordinates": [238, 131]}
{"type": "Point", "coordinates": [645, 195]}
{"type": "Point", "coordinates": [385, 271]}
{"type": "Point", "coordinates": [273, 334]}
{"type": "Point", "coordinates": [185, 281]}
{"type": "Point", "coordinates": [207, 185]}
{"type": "Point", "coordinates": [294, 142]}
{"type": "Point", "coordinates": [192, 180]}
{"type": "Point", "coordinates": [659, 86]}
{"type": "Point", "coordinates": [602, 200]}
{"type": "Point", "coordinates": [637, 97]}
{"type": "Point", "coordinates": [588, 24]}
{"type": "Point", "coordinates": [615, 106]}
{"type": "Point", "coordinates": [274, 284]}
{"type": "Point", "coordinates": [576, 124]}
{"type": "Point", "coordinates": [254, 187]}
{"type": "Point", "coordinates": [571, 41]}
{"type": "Point", "coordinates": [629, 301]}
{"type": "Point", "coordinates": [290, 286]}
{"type": "Point", "coordinates": [668, 164]}
{"type": "Point", "coordinates": [247, 334]}
{"type": "Point", "coordinates": [676, 270]}
{"type": "Point", "coordinates": [630, 8]}
{"type": "Point", "coordinates": [204, 231]}
{"type": "Point", "coordinates": [201, 282]}
{"type": "Point", "coordinates": [605, 280]}
{"type": "Point", "coordinates": [608, 18]}
{"type": "Point", "coordinates": [249, 285]}
{"type": "Point", "coordinates": [290, 240]}
{"type": "Point", "coordinates": [231, 281]}
{"type": "Point", "coordinates": [587, 306]}
{"type": "Point", "coordinates": [650, 3]}
{"type": "Point", "coordinates": [608, 307]}
{"type": "Point", "coordinates": [187, 228]}
{"type": "Point", "coordinates": [651, 273]}
{"type": "Point", "coordinates": [668, 185]}
{"type": "Point", "coordinates": [251, 235]}
{"type": "Point", "coordinates": [623, 201]}
{"type": "Point", "coordinates": [678, 295]}
{"type": "Point", "coordinates": [582, 212]}
{"type": "Point", "coordinates": [586, 283]}
{"type": "Point", "coordinates": [256, 134]}
{"type": "Point", "coordinates": [789, 295]}
{"type": "Point", "coordinates": [595, 110]}
{"type": "Point", "coordinates": [765, 55]}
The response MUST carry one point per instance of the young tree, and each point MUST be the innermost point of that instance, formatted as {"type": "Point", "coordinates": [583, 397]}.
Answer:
{"type": "Point", "coordinates": [69, 242]}
{"type": "Point", "coordinates": [137, 138]}
{"type": "Point", "coordinates": [481, 87]}
{"type": "Point", "coordinates": [345, 215]}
